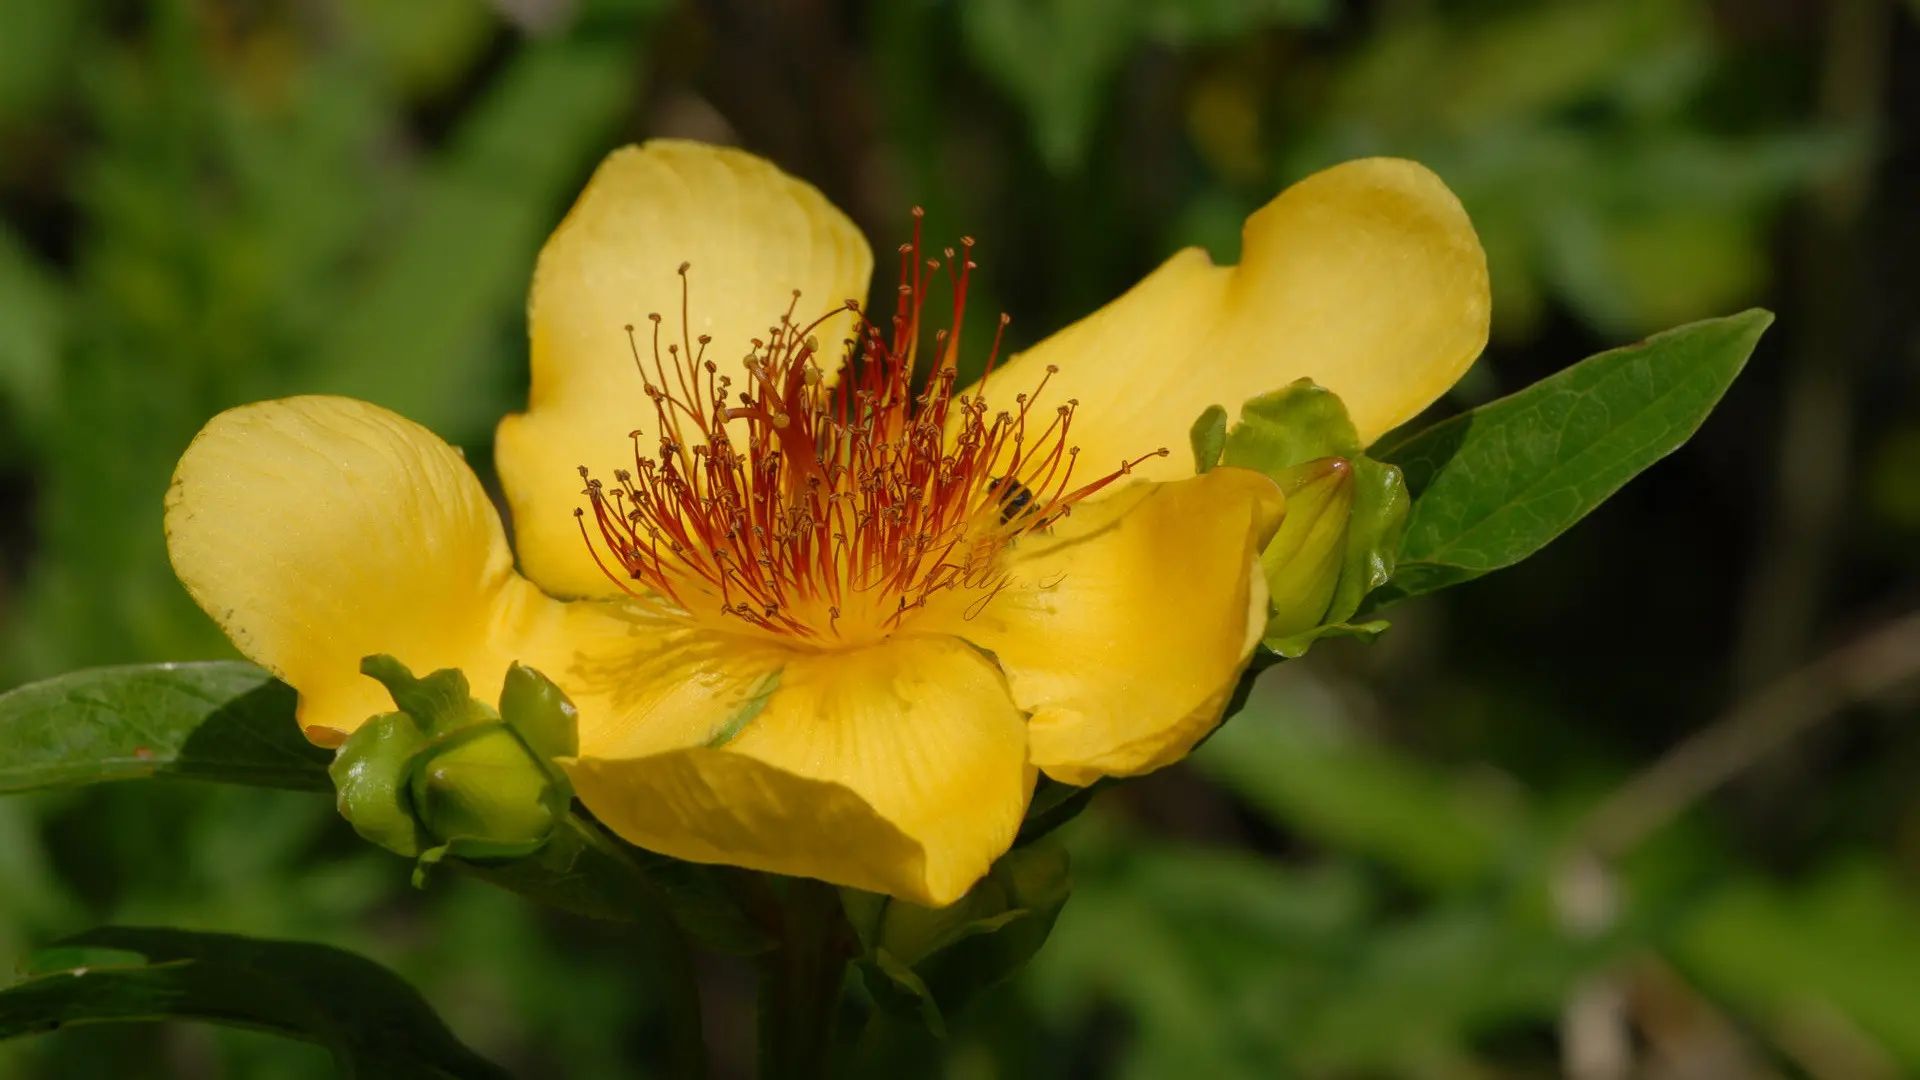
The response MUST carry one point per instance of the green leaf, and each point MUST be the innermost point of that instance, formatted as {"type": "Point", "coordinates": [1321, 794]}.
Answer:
{"type": "Point", "coordinates": [33, 318]}
{"type": "Point", "coordinates": [1055, 59]}
{"type": "Point", "coordinates": [223, 721]}
{"type": "Point", "coordinates": [1289, 759]}
{"type": "Point", "coordinates": [903, 991]}
{"type": "Point", "coordinates": [1054, 804]}
{"type": "Point", "coordinates": [1845, 938]}
{"type": "Point", "coordinates": [1496, 484]}
{"type": "Point", "coordinates": [369, 1019]}
{"type": "Point", "coordinates": [1190, 22]}
{"type": "Point", "coordinates": [416, 336]}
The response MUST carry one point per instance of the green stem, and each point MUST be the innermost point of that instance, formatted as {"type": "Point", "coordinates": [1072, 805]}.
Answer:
{"type": "Point", "coordinates": [800, 983]}
{"type": "Point", "coordinates": [685, 1033]}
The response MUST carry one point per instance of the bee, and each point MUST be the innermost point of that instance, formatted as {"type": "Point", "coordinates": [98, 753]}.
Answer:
{"type": "Point", "coordinates": [1017, 501]}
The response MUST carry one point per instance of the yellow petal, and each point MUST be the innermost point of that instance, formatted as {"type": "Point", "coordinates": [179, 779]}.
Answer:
{"type": "Point", "coordinates": [1367, 278]}
{"type": "Point", "coordinates": [667, 683]}
{"type": "Point", "coordinates": [899, 768]}
{"type": "Point", "coordinates": [318, 530]}
{"type": "Point", "coordinates": [1124, 630]}
{"type": "Point", "coordinates": [752, 235]}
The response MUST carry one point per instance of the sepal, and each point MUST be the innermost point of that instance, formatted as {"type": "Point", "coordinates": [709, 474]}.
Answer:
{"type": "Point", "coordinates": [1303, 560]}
{"type": "Point", "coordinates": [1319, 567]}
{"type": "Point", "coordinates": [927, 963]}
{"type": "Point", "coordinates": [449, 776]}
{"type": "Point", "coordinates": [1208, 436]}
{"type": "Point", "coordinates": [370, 775]}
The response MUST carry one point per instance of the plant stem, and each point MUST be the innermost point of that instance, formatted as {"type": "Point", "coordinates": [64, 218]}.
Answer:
{"type": "Point", "coordinates": [685, 1035]}
{"type": "Point", "coordinates": [800, 983]}
{"type": "Point", "coordinates": [662, 937]}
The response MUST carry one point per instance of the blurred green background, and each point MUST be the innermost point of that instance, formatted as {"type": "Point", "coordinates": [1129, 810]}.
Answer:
{"type": "Point", "coordinates": [1642, 807]}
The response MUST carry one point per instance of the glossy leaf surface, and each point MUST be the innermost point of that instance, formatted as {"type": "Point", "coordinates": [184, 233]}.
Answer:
{"type": "Point", "coordinates": [369, 1019]}
{"type": "Point", "coordinates": [1494, 485]}
{"type": "Point", "coordinates": [224, 721]}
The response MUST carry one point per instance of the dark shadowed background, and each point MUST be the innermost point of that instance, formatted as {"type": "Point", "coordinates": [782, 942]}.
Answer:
{"type": "Point", "coordinates": [1642, 807]}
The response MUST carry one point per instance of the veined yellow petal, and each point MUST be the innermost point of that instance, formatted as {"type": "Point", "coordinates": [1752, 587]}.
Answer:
{"type": "Point", "coordinates": [1367, 278]}
{"type": "Point", "coordinates": [318, 530]}
{"type": "Point", "coordinates": [899, 768]}
{"type": "Point", "coordinates": [667, 682]}
{"type": "Point", "coordinates": [751, 234]}
{"type": "Point", "coordinates": [1124, 629]}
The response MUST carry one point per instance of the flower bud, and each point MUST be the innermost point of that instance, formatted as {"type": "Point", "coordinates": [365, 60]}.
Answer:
{"type": "Point", "coordinates": [448, 775]}
{"type": "Point", "coordinates": [485, 790]}
{"type": "Point", "coordinates": [1304, 559]}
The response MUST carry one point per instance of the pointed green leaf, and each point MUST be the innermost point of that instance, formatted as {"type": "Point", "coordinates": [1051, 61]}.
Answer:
{"type": "Point", "coordinates": [371, 1021]}
{"type": "Point", "coordinates": [903, 991]}
{"type": "Point", "coordinates": [224, 721]}
{"type": "Point", "coordinates": [1437, 829]}
{"type": "Point", "coordinates": [931, 962]}
{"type": "Point", "coordinates": [417, 334]}
{"type": "Point", "coordinates": [1842, 937]}
{"type": "Point", "coordinates": [1495, 485]}
{"type": "Point", "coordinates": [1054, 804]}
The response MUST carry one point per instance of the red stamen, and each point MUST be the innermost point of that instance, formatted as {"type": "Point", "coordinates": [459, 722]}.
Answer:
{"type": "Point", "coordinates": [850, 506]}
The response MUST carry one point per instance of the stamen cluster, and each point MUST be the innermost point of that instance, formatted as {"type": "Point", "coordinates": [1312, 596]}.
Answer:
{"type": "Point", "coordinates": [830, 512]}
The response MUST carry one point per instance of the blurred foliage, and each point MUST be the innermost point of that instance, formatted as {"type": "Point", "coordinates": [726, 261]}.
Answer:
{"type": "Point", "coordinates": [1373, 872]}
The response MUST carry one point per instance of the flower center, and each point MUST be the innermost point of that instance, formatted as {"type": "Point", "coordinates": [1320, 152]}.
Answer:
{"type": "Point", "coordinates": [830, 513]}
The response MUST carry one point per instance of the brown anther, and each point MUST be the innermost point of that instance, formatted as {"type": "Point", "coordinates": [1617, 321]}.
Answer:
{"type": "Point", "coordinates": [873, 488]}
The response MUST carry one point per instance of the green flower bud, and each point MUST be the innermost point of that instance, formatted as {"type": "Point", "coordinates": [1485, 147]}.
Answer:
{"type": "Point", "coordinates": [1304, 560]}
{"type": "Point", "coordinates": [483, 791]}
{"type": "Point", "coordinates": [1345, 511]}
{"type": "Point", "coordinates": [448, 775]}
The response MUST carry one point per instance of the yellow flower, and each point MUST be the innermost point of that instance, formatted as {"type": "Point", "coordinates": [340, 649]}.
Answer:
{"type": "Point", "coordinates": [816, 625]}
